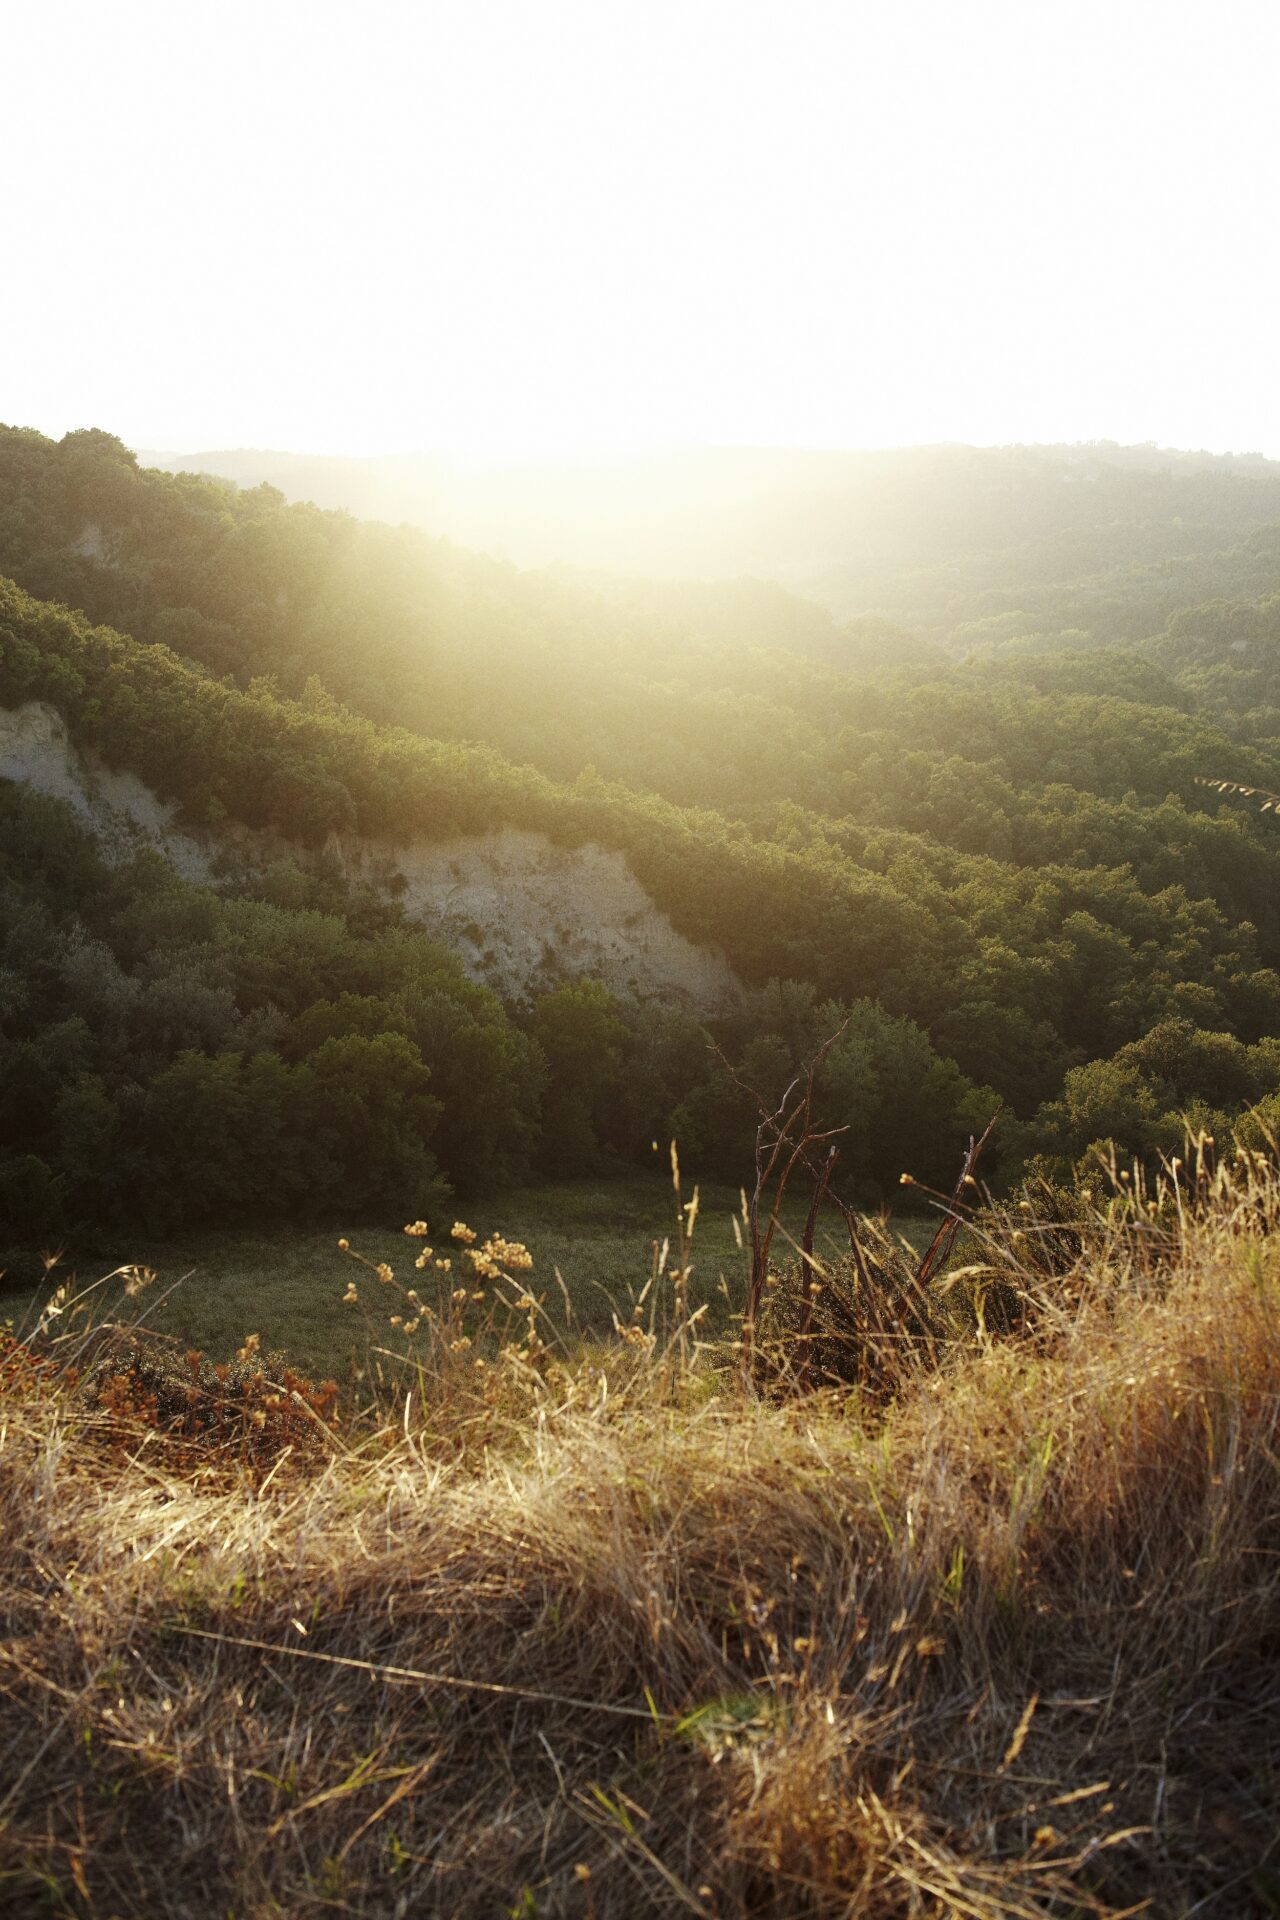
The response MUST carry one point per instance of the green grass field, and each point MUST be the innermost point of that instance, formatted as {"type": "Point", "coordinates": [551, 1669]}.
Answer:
{"type": "Point", "coordinates": [287, 1285]}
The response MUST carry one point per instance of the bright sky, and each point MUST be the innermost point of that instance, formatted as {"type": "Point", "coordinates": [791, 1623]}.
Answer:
{"type": "Point", "coordinates": [488, 223]}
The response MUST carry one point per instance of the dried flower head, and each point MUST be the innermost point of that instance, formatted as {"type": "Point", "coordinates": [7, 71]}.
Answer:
{"type": "Point", "coordinates": [509, 1253]}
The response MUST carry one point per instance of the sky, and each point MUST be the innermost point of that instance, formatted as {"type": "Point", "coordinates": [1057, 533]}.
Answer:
{"type": "Point", "coordinates": [492, 225]}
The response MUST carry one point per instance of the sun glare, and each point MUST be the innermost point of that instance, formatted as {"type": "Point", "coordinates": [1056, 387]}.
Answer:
{"type": "Point", "coordinates": [495, 228]}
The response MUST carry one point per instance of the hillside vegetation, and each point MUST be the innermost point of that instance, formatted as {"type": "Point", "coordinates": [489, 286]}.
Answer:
{"type": "Point", "coordinates": [986, 842]}
{"type": "Point", "coordinates": [1098, 537]}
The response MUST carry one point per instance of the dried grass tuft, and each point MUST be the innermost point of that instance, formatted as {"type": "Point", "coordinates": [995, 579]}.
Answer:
{"type": "Point", "coordinates": [626, 1638]}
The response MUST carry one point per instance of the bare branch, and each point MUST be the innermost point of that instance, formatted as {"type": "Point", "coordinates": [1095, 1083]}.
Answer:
{"type": "Point", "coordinates": [939, 1248]}
{"type": "Point", "coordinates": [806, 1261]}
{"type": "Point", "coordinates": [785, 1130]}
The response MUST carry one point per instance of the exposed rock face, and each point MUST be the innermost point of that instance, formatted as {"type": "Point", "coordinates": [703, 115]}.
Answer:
{"type": "Point", "coordinates": [123, 814]}
{"type": "Point", "coordinates": [92, 543]}
{"type": "Point", "coordinates": [521, 913]}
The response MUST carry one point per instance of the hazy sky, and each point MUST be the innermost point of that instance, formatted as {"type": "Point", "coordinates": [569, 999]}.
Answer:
{"type": "Point", "coordinates": [475, 223]}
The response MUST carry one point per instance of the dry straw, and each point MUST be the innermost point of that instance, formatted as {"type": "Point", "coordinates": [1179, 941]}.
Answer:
{"type": "Point", "coordinates": [598, 1632]}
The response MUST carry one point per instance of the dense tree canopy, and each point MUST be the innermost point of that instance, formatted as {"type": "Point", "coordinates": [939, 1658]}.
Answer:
{"type": "Point", "coordinates": [985, 842]}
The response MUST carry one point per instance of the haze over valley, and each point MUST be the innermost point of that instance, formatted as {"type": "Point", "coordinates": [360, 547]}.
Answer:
{"type": "Point", "coordinates": [898, 532]}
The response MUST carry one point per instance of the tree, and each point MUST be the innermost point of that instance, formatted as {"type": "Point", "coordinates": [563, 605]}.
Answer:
{"type": "Point", "coordinates": [581, 1038]}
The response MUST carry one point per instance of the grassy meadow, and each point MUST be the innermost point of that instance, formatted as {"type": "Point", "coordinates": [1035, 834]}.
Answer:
{"type": "Point", "coordinates": [287, 1285]}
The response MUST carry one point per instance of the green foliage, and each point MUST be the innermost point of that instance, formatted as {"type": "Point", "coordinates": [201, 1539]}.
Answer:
{"type": "Point", "coordinates": [992, 853]}
{"type": "Point", "coordinates": [898, 1105]}
{"type": "Point", "coordinates": [581, 1038]}
{"type": "Point", "coordinates": [172, 1055]}
{"type": "Point", "coordinates": [1142, 1097]}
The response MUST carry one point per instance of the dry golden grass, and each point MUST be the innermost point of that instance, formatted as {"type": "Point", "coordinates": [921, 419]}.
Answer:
{"type": "Point", "coordinates": [609, 1637]}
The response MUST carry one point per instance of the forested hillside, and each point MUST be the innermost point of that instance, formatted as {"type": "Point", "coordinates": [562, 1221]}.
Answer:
{"type": "Point", "coordinates": [981, 837]}
{"type": "Point", "coordinates": [1102, 536]}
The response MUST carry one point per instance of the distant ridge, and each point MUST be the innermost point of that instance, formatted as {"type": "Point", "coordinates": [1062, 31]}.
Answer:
{"type": "Point", "coordinates": [845, 528]}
